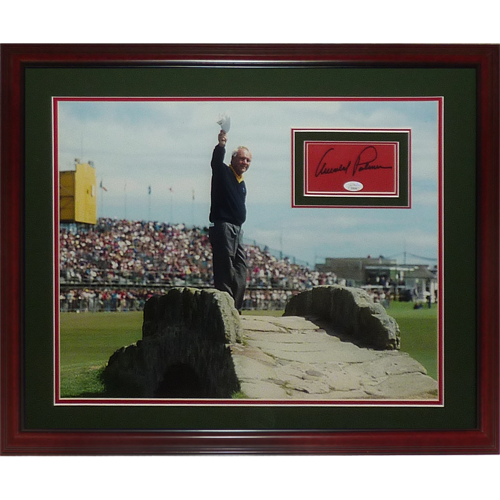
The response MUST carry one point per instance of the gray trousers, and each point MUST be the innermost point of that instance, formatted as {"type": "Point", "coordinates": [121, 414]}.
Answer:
{"type": "Point", "coordinates": [229, 260]}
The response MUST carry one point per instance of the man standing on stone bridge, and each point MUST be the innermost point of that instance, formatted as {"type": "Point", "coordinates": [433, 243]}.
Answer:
{"type": "Point", "coordinates": [227, 214]}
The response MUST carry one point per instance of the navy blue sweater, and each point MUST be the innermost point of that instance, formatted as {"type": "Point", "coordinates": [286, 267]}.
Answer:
{"type": "Point", "coordinates": [227, 194]}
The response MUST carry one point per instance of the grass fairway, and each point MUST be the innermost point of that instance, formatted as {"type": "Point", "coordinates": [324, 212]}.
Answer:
{"type": "Point", "coordinates": [87, 340]}
{"type": "Point", "coordinates": [419, 336]}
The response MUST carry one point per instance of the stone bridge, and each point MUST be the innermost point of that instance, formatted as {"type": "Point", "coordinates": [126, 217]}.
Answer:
{"type": "Point", "coordinates": [332, 343]}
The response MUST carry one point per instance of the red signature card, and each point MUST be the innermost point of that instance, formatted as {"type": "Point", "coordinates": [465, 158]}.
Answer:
{"type": "Point", "coordinates": [365, 168]}
{"type": "Point", "coordinates": [351, 168]}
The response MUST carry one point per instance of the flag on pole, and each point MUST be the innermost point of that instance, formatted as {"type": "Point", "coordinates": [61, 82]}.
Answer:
{"type": "Point", "coordinates": [101, 186]}
{"type": "Point", "coordinates": [171, 190]}
{"type": "Point", "coordinates": [193, 194]}
{"type": "Point", "coordinates": [149, 189]}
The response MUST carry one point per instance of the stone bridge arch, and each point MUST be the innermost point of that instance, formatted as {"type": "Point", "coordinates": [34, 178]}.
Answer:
{"type": "Point", "coordinates": [332, 343]}
{"type": "Point", "coordinates": [186, 338]}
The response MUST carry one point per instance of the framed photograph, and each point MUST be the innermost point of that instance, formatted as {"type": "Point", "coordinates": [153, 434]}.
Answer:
{"type": "Point", "coordinates": [369, 321]}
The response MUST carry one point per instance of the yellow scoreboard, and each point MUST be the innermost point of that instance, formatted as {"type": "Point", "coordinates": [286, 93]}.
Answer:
{"type": "Point", "coordinates": [78, 194]}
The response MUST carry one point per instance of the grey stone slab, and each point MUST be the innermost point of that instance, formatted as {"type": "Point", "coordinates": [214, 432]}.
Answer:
{"type": "Point", "coordinates": [330, 375]}
{"type": "Point", "coordinates": [251, 369]}
{"type": "Point", "coordinates": [288, 337]}
{"type": "Point", "coordinates": [341, 381]}
{"type": "Point", "coordinates": [294, 323]}
{"type": "Point", "coordinates": [291, 346]}
{"type": "Point", "coordinates": [310, 387]}
{"type": "Point", "coordinates": [250, 323]}
{"type": "Point", "coordinates": [384, 365]}
{"type": "Point", "coordinates": [358, 395]}
{"type": "Point", "coordinates": [303, 357]}
{"type": "Point", "coordinates": [346, 354]}
{"type": "Point", "coordinates": [252, 353]}
{"type": "Point", "coordinates": [282, 362]}
{"type": "Point", "coordinates": [405, 386]}
{"type": "Point", "coordinates": [263, 390]}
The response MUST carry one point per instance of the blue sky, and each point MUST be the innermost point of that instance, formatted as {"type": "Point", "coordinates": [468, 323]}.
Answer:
{"type": "Point", "coordinates": [168, 145]}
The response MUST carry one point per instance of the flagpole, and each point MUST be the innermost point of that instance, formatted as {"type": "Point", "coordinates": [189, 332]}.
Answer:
{"type": "Point", "coordinates": [149, 201]}
{"type": "Point", "coordinates": [192, 210]}
{"type": "Point", "coordinates": [125, 195]}
{"type": "Point", "coordinates": [171, 206]}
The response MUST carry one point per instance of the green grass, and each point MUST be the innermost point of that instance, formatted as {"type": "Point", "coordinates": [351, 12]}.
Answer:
{"type": "Point", "coordinates": [91, 338]}
{"type": "Point", "coordinates": [418, 333]}
{"type": "Point", "coordinates": [87, 340]}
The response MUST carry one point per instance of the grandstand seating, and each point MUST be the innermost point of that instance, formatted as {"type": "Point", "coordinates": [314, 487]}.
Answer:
{"type": "Point", "coordinates": [125, 259]}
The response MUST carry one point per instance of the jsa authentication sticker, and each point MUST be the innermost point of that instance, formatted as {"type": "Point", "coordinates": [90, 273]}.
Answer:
{"type": "Point", "coordinates": [362, 168]}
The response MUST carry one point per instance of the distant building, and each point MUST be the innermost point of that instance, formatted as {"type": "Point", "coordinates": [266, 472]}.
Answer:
{"type": "Point", "coordinates": [422, 282]}
{"type": "Point", "coordinates": [77, 194]}
{"type": "Point", "coordinates": [414, 281]}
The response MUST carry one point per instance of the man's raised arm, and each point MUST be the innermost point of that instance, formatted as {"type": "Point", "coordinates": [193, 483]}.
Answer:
{"type": "Point", "coordinates": [222, 138]}
{"type": "Point", "coordinates": [219, 151]}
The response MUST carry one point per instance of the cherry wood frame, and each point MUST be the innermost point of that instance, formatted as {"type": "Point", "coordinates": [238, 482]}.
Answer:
{"type": "Point", "coordinates": [17, 441]}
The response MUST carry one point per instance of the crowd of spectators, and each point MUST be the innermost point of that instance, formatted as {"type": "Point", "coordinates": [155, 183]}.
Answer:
{"type": "Point", "coordinates": [380, 295]}
{"type": "Point", "coordinates": [110, 266]}
{"type": "Point", "coordinates": [120, 252]}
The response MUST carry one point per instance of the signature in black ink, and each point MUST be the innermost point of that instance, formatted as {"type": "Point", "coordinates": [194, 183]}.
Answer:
{"type": "Point", "coordinates": [363, 162]}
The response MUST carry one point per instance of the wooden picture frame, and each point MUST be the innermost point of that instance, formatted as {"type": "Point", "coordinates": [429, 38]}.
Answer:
{"type": "Point", "coordinates": [27, 271]}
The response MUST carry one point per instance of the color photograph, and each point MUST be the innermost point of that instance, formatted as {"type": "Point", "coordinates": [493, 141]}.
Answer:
{"type": "Point", "coordinates": [137, 215]}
